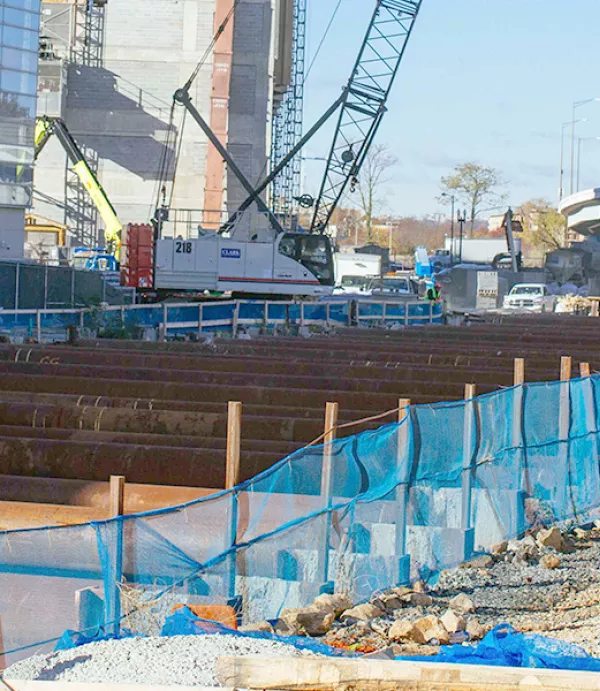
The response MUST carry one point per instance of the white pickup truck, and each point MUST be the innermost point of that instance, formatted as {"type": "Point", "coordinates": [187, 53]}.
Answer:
{"type": "Point", "coordinates": [533, 297]}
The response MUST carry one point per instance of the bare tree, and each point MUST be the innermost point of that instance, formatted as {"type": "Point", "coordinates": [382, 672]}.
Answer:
{"type": "Point", "coordinates": [374, 174]}
{"type": "Point", "coordinates": [475, 185]}
{"type": "Point", "coordinates": [543, 225]}
{"type": "Point", "coordinates": [349, 225]}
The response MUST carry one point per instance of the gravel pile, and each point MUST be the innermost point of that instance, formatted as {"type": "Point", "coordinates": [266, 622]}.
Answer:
{"type": "Point", "coordinates": [560, 602]}
{"type": "Point", "coordinates": [180, 660]}
{"type": "Point", "coordinates": [547, 584]}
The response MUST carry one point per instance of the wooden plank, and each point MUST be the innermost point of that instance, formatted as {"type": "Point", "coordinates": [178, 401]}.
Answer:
{"type": "Point", "coordinates": [468, 470]}
{"type": "Point", "coordinates": [331, 420]}
{"type": "Point", "coordinates": [517, 441]}
{"type": "Point", "coordinates": [402, 494]}
{"type": "Point", "coordinates": [305, 674]}
{"type": "Point", "coordinates": [18, 515]}
{"type": "Point", "coordinates": [117, 496]}
{"type": "Point", "coordinates": [234, 444]}
{"type": "Point", "coordinates": [232, 479]}
{"type": "Point", "coordinates": [566, 366]}
{"type": "Point", "coordinates": [82, 494]}
{"type": "Point", "coordinates": [13, 685]}
{"type": "Point", "coordinates": [519, 375]}
{"type": "Point", "coordinates": [564, 422]}
{"type": "Point", "coordinates": [2, 648]}
{"type": "Point", "coordinates": [585, 369]}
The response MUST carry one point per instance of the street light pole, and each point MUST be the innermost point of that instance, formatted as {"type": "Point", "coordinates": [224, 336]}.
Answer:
{"type": "Point", "coordinates": [579, 141]}
{"type": "Point", "coordinates": [576, 105]}
{"type": "Point", "coordinates": [562, 156]}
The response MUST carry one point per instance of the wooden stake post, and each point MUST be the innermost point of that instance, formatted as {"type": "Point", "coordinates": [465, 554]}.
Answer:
{"type": "Point", "coordinates": [232, 479]}
{"type": "Point", "coordinates": [331, 421]}
{"type": "Point", "coordinates": [403, 492]}
{"type": "Point", "coordinates": [564, 419]}
{"type": "Point", "coordinates": [2, 656]}
{"type": "Point", "coordinates": [518, 445]}
{"type": "Point", "coordinates": [234, 444]}
{"type": "Point", "coordinates": [117, 496]}
{"type": "Point", "coordinates": [468, 469]}
{"type": "Point", "coordinates": [112, 598]}
{"type": "Point", "coordinates": [592, 472]}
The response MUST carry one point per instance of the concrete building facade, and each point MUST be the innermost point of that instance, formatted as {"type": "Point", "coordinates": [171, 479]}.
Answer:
{"type": "Point", "coordinates": [19, 23]}
{"type": "Point", "coordinates": [113, 69]}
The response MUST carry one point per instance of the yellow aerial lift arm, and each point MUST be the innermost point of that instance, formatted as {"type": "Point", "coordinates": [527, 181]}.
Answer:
{"type": "Point", "coordinates": [45, 128]}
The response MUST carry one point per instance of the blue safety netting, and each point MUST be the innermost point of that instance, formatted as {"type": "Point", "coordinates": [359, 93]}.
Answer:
{"type": "Point", "coordinates": [357, 515]}
{"type": "Point", "coordinates": [505, 647]}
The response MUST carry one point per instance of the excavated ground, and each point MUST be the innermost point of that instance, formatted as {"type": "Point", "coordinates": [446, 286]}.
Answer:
{"type": "Point", "coordinates": [157, 413]}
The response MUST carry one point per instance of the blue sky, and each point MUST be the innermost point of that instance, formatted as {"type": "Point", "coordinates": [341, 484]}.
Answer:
{"type": "Point", "coordinates": [484, 80]}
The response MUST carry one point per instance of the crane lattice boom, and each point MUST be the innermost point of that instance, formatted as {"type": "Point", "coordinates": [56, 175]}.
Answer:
{"type": "Point", "coordinates": [365, 100]}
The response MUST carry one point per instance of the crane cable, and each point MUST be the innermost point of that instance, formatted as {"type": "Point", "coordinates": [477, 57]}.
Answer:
{"type": "Point", "coordinates": [323, 39]}
{"type": "Point", "coordinates": [164, 164]}
{"type": "Point", "coordinates": [211, 45]}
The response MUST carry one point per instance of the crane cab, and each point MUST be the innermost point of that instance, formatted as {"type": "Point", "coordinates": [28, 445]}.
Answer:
{"type": "Point", "coordinates": [291, 264]}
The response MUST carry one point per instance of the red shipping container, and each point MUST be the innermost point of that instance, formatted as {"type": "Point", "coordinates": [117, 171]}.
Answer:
{"type": "Point", "coordinates": [145, 236]}
{"type": "Point", "coordinates": [144, 257]}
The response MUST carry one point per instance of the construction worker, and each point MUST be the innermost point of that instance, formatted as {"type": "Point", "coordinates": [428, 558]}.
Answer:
{"type": "Point", "coordinates": [434, 293]}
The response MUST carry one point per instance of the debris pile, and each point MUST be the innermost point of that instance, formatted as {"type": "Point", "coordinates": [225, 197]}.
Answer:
{"type": "Point", "coordinates": [547, 582]}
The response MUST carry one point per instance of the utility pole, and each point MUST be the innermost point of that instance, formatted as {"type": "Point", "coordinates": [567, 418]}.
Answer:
{"type": "Point", "coordinates": [511, 240]}
{"type": "Point", "coordinates": [452, 232]}
{"type": "Point", "coordinates": [462, 219]}
{"type": "Point", "coordinates": [452, 198]}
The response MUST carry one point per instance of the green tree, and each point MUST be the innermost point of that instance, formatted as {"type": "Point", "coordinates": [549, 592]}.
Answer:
{"type": "Point", "coordinates": [544, 227]}
{"type": "Point", "coordinates": [474, 185]}
{"type": "Point", "coordinates": [373, 175]}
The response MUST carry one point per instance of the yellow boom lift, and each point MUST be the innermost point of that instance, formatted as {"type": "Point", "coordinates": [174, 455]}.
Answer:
{"type": "Point", "coordinates": [45, 128]}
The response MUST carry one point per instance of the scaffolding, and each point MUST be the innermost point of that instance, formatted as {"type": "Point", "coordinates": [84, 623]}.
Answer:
{"type": "Point", "coordinates": [81, 216]}
{"type": "Point", "coordinates": [287, 126]}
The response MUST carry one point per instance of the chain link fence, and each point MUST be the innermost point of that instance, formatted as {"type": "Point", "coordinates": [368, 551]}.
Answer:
{"type": "Point", "coordinates": [35, 286]}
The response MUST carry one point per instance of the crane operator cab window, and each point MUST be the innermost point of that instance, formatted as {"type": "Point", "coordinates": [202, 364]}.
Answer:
{"type": "Point", "coordinates": [313, 252]}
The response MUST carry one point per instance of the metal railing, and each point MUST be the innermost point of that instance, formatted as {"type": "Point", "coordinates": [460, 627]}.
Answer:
{"type": "Point", "coordinates": [161, 321]}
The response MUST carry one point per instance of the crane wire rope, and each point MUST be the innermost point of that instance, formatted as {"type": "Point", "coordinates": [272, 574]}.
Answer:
{"type": "Point", "coordinates": [164, 163]}
{"type": "Point", "coordinates": [323, 39]}
{"type": "Point", "coordinates": [162, 173]}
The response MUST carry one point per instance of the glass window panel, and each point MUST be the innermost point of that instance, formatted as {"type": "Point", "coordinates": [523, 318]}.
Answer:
{"type": "Point", "coordinates": [15, 106]}
{"type": "Point", "coordinates": [33, 5]}
{"type": "Point", "coordinates": [23, 82]}
{"type": "Point", "coordinates": [8, 172]}
{"type": "Point", "coordinates": [19, 59]}
{"type": "Point", "coordinates": [28, 20]}
{"type": "Point", "coordinates": [19, 38]}
{"type": "Point", "coordinates": [15, 133]}
{"type": "Point", "coordinates": [16, 154]}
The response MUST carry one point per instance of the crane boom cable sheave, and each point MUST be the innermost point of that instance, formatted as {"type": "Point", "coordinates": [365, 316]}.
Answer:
{"type": "Point", "coordinates": [364, 106]}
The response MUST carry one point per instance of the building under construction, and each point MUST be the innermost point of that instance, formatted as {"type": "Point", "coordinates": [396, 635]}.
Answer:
{"type": "Point", "coordinates": [109, 69]}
